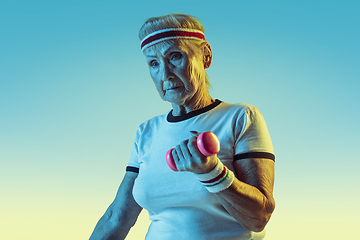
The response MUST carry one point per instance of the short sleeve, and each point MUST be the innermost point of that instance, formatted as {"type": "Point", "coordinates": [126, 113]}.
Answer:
{"type": "Point", "coordinates": [253, 138]}
{"type": "Point", "coordinates": [134, 155]}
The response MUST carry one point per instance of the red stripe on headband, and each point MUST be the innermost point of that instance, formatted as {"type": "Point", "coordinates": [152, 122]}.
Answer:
{"type": "Point", "coordinates": [174, 33]}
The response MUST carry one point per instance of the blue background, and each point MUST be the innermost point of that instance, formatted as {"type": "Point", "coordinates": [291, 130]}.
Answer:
{"type": "Point", "coordinates": [74, 86]}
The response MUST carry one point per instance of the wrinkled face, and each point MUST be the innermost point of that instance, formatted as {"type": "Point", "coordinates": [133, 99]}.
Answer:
{"type": "Point", "coordinates": [176, 71]}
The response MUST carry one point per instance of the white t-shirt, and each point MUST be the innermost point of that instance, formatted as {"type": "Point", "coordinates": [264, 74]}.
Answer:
{"type": "Point", "coordinates": [178, 205]}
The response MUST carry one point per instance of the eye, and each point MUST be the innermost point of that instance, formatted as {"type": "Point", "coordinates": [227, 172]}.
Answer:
{"type": "Point", "coordinates": [175, 56]}
{"type": "Point", "coordinates": [154, 64]}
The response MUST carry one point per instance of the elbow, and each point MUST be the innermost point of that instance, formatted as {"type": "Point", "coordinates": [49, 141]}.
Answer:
{"type": "Point", "coordinates": [261, 218]}
{"type": "Point", "coordinates": [119, 219]}
{"type": "Point", "coordinates": [111, 219]}
{"type": "Point", "coordinates": [258, 224]}
{"type": "Point", "coordinates": [106, 227]}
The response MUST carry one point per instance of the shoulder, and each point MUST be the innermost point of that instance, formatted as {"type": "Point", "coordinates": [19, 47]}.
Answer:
{"type": "Point", "coordinates": [154, 121]}
{"type": "Point", "coordinates": [238, 106]}
{"type": "Point", "coordinates": [238, 109]}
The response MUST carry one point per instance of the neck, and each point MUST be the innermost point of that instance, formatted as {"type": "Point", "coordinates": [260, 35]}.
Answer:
{"type": "Point", "coordinates": [197, 102]}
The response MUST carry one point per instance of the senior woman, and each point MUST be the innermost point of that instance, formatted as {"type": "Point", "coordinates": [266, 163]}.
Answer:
{"type": "Point", "coordinates": [226, 196]}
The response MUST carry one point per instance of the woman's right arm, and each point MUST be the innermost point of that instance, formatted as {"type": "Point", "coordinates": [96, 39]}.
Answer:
{"type": "Point", "coordinates": [121, 215]}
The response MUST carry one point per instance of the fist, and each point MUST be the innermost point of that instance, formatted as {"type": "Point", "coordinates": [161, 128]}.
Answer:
{"type": "Point", "coordinates": [197, 154]}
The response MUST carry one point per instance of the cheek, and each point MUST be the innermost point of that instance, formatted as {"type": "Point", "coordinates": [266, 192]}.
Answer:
{"type": "Point", "coordinates": [153, 75]}
{"type": "Point", "coordinates": [195, 72]}
{"type": "Point", "coordinates": [188, 74]}
{"type": "Point", "coordinates": [184, 72]}
{"type": "Point", "coordinates": [157, 82]}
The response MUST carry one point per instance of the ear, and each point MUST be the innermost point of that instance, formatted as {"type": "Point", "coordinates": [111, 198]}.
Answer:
{"type": "Point", "coordinates": [207, 55]}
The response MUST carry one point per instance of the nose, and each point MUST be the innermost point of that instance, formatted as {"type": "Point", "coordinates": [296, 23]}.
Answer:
{"type": "Point", "coordinates": [166, 73]}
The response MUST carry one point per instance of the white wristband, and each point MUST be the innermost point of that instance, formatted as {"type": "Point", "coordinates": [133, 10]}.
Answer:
{"type": "Point", "coordinates": [218, 179]}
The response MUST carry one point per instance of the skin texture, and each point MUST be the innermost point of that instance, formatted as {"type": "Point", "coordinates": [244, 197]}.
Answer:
{"type": "Point", "coordinates": [178, 73]}
{"type": "Point", "coordinates": [250, 197]}
{"type": "Point", "coordinates": [121, 215]}
{"type": "Point", "coordinates": [251, 200]}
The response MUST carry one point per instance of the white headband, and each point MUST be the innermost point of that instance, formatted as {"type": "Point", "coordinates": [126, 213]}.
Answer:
{"type": "Point", "coordinates": [171, 33]}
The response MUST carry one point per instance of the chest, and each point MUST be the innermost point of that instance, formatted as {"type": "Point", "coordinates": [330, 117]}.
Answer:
{"type": "Point", "coordinates": [157, 186]}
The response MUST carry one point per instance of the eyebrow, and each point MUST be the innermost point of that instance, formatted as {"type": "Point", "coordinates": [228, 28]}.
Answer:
{"type": "Point", "coordinates": [165, 52]}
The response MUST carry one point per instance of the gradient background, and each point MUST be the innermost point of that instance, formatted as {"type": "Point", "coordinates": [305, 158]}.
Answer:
{"type": "Point", "coordinates": [74, 86]}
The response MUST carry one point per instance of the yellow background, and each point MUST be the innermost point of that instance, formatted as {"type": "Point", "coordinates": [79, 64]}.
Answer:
{"type": "Point", "coordinates": [74, 87]}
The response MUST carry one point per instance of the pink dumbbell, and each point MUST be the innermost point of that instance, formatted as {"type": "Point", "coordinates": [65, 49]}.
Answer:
{"type": "Point", "coordinates": [207, 143]}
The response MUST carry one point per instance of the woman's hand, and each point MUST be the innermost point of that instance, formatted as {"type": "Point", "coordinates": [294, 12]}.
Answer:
{"type": "Point", "coordinates": [187, 157]}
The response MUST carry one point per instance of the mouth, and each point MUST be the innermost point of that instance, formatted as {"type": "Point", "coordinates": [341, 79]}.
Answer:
{"type": "Point", "coordinates": [173, 88]}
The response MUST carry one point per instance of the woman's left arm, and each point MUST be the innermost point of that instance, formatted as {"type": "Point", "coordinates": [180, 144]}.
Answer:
{"type": "Point", "coordinates": [249, 199]}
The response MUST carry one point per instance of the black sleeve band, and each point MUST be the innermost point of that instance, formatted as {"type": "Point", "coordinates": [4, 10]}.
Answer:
{"type": "Point", "coordinates": [254, 155]}
{"type": "Point", "coordinates": [132, 169]}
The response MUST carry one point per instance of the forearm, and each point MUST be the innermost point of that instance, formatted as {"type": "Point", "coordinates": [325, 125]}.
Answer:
{"type": "Point", "coordinates": [121, 215]}
{"type": "Point", "coordinates": [108, 230]}
{"type": "Point", "coordinates": [111, 227]}
{"type": "Point", "coordinates": [247, 204]}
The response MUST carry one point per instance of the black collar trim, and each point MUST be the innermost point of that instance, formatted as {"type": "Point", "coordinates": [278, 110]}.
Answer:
{"type": "Point", "coordinates": [171, 118]}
